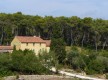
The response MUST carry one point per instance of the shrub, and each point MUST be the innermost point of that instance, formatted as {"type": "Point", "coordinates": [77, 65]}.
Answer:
{"type": "Point", "coordinates": [27, 62]}
{"type": "Point", "coordinates": [75, 60]}
{"type": "Point", "coordinates": [5, 63]}
{"type": "Point", "coordinates": [99, 65]}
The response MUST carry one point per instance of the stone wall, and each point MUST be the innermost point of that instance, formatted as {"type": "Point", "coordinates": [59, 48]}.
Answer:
{"type": "Point", "coordinates": [37, 77]}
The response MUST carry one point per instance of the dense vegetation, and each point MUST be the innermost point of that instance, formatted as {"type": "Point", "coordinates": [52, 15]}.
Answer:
{"type": "Point", "coordinates": [21, 62]}
{"type": "Point", "coordinates": [87, 32]}
{"type": "Point", "coordinates": [88, 60]}
{"type": "Point", "coordinates": [88, 38]}
{"type": "Point", "coordinates": [78, 59]}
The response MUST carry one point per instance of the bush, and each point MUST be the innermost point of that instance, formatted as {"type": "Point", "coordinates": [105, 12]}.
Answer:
{"type": "Point", "coordinates": [27, 62]}
{"type": "Point", "coordinates": [99, 65]}
{"type": "Point", "coordinates": [106, 76]}
{"type": "Point", "coordinates": [75, 60]}
{"type": "Point", "coordinates": [88, 60]}
{"type": "Point", "coordinates": [24, 62]}
{"type": "Point", "coordinates": [58, 46]}
{"type": "Point", "coordinates": [5, 63]}
{"type": "Point", "coordinates": [103, 53]}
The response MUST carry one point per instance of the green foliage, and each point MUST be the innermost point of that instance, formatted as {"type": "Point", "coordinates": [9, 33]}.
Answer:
{"type": "Point", "coordinates": [75, 60]}
{"type": "Point", "coordinates": [27, 62]}
{"type": "Point", "coordinates": [5, 64]}
{"type": "Point", "coordinates": [96, 66]}
{"type": "Point", "coordinates": [103, 53]}
{"type": "Point", "coordinates": [22, 62]}
{"type": "Point", "coordinates": [63, 31]}
{"type": "Point", "coordinates": [58, 46]}
{"type": "Point", "coordinates": [17, 76]}
{"type": "Point", "coordinates": [87, 32]}
{"type": "Point", "coordinates": [47, 59]}
{"type": "Point", "coordinates": [88, 60]}
{"type": "Point", "coordinates": [106, 76]}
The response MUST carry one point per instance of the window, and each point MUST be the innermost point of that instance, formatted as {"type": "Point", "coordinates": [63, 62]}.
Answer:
{"type": "Point", "coordinates": [33, 44]}
{"type": "Point", "coordinates": [26, 44]}
{"type": "Point", "coordinates": [40, 44]}
{"type": "Point", "coordinates": [40, 50]}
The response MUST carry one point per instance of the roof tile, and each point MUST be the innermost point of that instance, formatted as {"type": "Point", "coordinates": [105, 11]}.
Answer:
{"type": "Point", "coordinates": [29, 39]}
{"type": "Point", "coordinates": [48, 42]}
{"type": "Point", "coordinates": [6, 47]}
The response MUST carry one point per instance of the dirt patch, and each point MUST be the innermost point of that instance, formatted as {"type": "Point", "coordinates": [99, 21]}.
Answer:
{"type": "Point", "coordinates": [38, 77]}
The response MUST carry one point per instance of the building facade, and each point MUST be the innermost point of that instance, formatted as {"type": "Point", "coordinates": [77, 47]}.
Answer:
{"type": "Point", "coordinates": [34, 43]}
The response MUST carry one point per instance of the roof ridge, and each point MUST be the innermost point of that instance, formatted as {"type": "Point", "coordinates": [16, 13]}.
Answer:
{"type": "Point", "coordinates": [29, 39]}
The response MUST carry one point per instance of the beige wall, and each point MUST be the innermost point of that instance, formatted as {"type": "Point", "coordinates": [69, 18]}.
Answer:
{"type": "Point", "coordinates": [36, 47]}
{"type": "Point", "coordinates": [16, 43]}
{"type": "Point", "coordinates": [47, 49]}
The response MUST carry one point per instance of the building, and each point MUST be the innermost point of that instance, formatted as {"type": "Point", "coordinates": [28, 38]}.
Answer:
{"type": "Point", "coordinates": [6, 49]}
{"type": "Point", "coordinates": [34, 43]}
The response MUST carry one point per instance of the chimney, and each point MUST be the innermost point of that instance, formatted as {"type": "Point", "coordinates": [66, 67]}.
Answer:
{"type": "Point", "coordinates": [34, 36]}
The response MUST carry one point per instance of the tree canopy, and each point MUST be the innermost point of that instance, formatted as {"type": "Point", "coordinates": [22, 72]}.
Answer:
{"type": "Point", "coordinates": [86, 32]}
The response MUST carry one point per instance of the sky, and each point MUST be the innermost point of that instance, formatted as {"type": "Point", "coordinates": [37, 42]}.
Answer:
{"type": "Point", "coordinates": [68, 8]}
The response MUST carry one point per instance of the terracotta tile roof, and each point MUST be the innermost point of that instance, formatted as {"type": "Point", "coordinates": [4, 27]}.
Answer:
{"type": "Point", "coordinates": [48, 42]}
{"type": "Point", "coordinates": [29, 39]}
{"type": "Point", "coordinates": [6, 48]}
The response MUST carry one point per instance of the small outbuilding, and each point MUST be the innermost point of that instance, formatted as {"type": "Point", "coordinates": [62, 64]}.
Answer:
{"type": "Point", "coordinates": [6, 49]}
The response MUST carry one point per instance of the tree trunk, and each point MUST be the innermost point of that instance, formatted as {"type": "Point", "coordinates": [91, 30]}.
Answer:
{"type": "Point", "coordinates": [96, 46]}
{"type": "Point", "coordinates": [71, 38]}
{"type": "Point", "coordinates": [88, 37]}
{"type": "Point", "coordinates": [83, 40]}
{"type": "Point", "coordinates": [104, 44]}
{"type": "Point", "coordinates": [2, 36]}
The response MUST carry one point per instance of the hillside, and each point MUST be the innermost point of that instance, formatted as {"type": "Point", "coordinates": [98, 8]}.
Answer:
{"type": "Point", "coordinates": [86, 32]}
